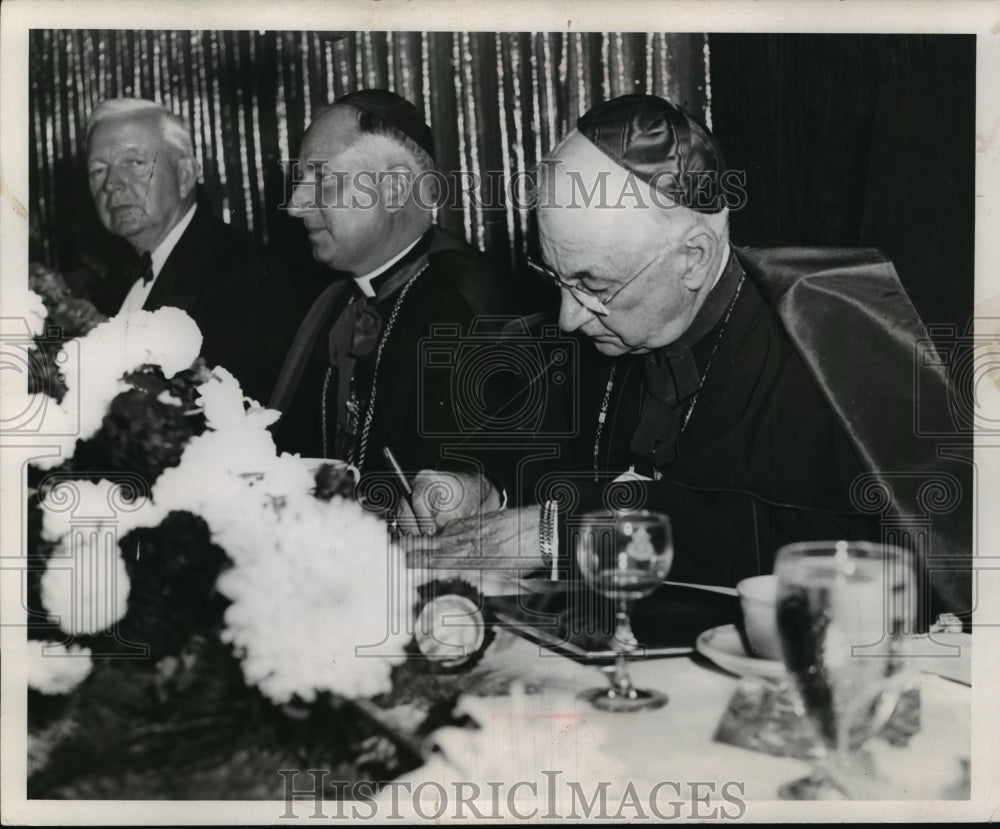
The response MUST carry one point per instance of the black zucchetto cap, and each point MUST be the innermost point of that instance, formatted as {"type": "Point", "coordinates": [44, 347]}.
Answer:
{"type": "Point", "coordinates": [662, 145]}
{"type": "Point", "coordinates": [394, 111]}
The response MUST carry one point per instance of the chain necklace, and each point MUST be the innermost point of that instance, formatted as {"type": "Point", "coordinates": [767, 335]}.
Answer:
{"type": "Point", "coordinates": [325, 397]}
{"type": "Point", "coordinates": [605, 403]}
{"type": "Point", "coordinates": [359, 460]}
{"type": "Point", "coordinates": [603, 415]}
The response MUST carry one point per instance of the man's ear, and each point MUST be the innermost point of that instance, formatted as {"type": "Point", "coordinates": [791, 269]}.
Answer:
{"type": "Point", "coordinates": [188, 170]}
{"type": "Point", "coordinates": [396, 187]}
{"type": "Point", "coordinates": [697, 250]}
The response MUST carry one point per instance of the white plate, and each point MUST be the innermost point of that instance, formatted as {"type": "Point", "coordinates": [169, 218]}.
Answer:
{"type": "Point", "coordinates": [949, 655]}
{"type": "Point", "coordinates": [725, 648]}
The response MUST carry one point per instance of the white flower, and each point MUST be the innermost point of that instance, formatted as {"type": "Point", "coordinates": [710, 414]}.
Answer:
{"type": "Point", "coordinates": [319, 601]}
{"type": "Point", "coordinates": [222, 401]}
{"type": "Point", "coordinates": [85, 585]}
{"type": "Point", "coordinates": [33, 312]}
{"type": "Point", "coordinates": [93, 367]}
{"type": "Point", "coordinates": [312, 609]}
{"type": "Point", "coordinates": [167, 338]}
{"type": "Point", "coordinates": [53, 669]}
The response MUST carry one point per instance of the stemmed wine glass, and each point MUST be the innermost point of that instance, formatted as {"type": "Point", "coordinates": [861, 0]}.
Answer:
{"type": "Point", "coordinates": [625, 555]}
{"type": "Point", "coordinates": [842, 610]}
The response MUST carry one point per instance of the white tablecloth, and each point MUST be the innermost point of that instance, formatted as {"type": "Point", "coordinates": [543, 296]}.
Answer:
{"type": "Point", "coordinates": [547, 739]}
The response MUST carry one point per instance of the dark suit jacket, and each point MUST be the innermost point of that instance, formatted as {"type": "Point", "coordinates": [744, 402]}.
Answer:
{"type": "Point", "coordinates": [427, 409]}
{"type": "Point", "coordinates": [241, 300]}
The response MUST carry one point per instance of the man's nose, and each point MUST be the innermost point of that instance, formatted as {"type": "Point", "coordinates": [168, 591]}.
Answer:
{"type": "Point", "coordinates": [114, 179]}
{"type": "Point", "coordinates": [301, 199]}
{"type": "Point", "coordinates": [572, 314]}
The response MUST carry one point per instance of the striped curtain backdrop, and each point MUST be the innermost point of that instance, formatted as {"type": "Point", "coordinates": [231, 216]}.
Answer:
{"type": "Point", "coordinates": [495, 102]}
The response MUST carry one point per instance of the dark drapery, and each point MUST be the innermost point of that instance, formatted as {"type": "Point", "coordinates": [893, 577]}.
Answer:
{"type": "Point", "coordinates": [495, 102]}
{"type": "Point", "coordinates": [857, 140]}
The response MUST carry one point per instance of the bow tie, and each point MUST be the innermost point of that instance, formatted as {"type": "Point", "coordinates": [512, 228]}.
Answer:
{"type": "Point", "coordinates": [671, 374]}
{"type": "Point", "coordinates": [142, 269]}
{"type": "Point", "coordinates": [366, 330]}
{"type": "Point", "coordinates": [354, 336]}
{"type": "Point", "coordinates": [671, 377]}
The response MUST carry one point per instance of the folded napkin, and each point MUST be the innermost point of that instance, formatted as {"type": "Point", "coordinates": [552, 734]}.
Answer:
{"type": "Point", "coordinates": [764, 716]}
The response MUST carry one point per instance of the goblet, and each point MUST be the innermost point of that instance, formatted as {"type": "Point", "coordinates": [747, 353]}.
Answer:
{"type": "Point", "coordinates": [842, 610]}
{"type": "Point", "coordinates": [624, 555]}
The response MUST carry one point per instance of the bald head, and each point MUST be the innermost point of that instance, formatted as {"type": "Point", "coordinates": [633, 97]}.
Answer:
{"type": "Point", "coordinates": [585, 196]}
{"type": "Point", "coordinates": [600, 225]}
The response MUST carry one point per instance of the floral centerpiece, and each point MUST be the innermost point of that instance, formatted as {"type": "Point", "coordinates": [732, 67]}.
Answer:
{"type": "Point", "coordinates": [192, 593]}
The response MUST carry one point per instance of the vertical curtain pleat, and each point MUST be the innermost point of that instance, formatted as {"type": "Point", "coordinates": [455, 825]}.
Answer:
{"type": "Point", "coordinates": [496, 102]}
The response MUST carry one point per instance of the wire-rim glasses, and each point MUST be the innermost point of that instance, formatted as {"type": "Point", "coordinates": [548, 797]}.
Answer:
{"type": "Point", "coordinates": [594, 302]}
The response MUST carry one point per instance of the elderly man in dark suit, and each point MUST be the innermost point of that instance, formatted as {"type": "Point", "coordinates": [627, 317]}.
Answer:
{"type": "Point", "coordinates": [143, 177]}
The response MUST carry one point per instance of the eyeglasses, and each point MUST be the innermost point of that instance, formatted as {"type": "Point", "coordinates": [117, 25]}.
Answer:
{"type": "Point", "coordinates": [595, 302]}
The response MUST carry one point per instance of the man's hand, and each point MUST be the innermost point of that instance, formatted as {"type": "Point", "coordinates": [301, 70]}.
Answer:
{"type": "Point", "coordinates": [442, 497]}
{"type": "Point", "coordinates": [504, 541]}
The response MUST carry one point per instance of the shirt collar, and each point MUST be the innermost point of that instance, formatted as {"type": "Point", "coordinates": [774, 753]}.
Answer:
{"type": "Point", "coordinates": [166, 247]}
{"type": "Point", "coordinates": [364, 283]}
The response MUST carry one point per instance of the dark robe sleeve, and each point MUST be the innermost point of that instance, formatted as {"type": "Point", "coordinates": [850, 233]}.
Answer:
{"type": "Point", "coordinates": [248, 319]}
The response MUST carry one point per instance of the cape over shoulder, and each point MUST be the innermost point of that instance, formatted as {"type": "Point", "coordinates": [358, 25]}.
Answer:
{"type": "Point", "coordinates": [850, 319]}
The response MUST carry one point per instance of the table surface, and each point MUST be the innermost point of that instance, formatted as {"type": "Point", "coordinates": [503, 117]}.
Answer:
{"type": "Point", "coordinates": [551, 728]}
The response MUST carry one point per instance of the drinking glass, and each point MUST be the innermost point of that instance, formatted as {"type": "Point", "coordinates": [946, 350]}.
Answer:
{"type": "Point", "coordinates": [842, 610]}
{"type": "Point", "coordinates": [624, 555]}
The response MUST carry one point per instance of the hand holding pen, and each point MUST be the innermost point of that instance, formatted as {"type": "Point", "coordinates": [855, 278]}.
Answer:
{"type": "Point", "coordinates": [437, 498]}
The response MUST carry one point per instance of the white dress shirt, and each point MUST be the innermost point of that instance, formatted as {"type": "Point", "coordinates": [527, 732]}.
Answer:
{"type": "Point", "coordinates": [139, 292]}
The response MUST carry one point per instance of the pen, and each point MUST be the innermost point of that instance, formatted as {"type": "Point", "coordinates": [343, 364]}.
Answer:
{"type": "Point", "coordinates": [405, 484]}
{"type": "Point", "coordinates": [397, 469]}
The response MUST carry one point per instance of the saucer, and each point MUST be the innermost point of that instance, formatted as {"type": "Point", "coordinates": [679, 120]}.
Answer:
{"type": "Point", "coordinates": [725, 648]}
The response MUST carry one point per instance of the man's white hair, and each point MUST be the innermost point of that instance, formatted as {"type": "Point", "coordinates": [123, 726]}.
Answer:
{"type": "Point", "coordinates": [175, 129]}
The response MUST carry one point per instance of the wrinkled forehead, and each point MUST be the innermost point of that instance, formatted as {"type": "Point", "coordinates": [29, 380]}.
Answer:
{"type": "Point", "coordinates": [587, 203]}
{"type": "Point", "coordinates": [134, 131]}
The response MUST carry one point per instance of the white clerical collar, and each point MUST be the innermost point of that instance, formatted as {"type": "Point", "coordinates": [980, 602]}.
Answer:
{"type": "Point", "coordinates": [365, 282]}
{"type": "Point", "coordinates": [166, 247]}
